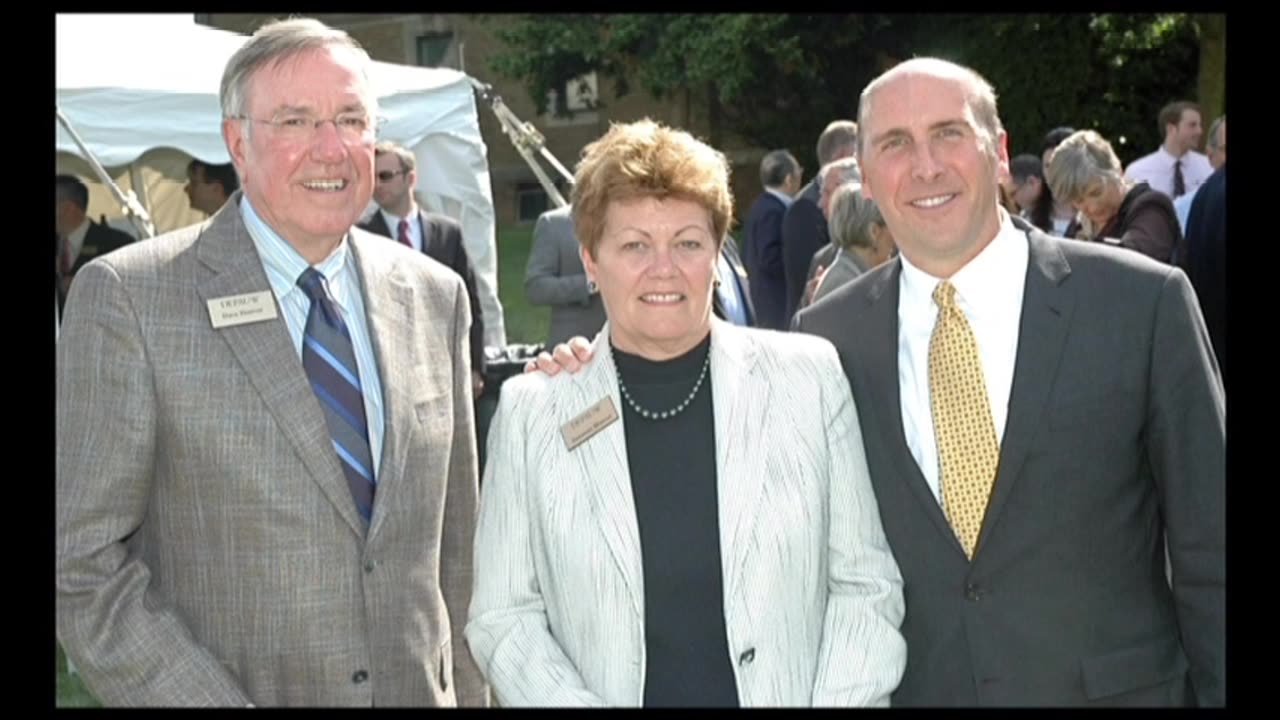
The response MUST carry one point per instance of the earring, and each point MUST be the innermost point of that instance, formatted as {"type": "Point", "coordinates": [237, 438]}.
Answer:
{"type": "Point", "coordinates": [716, 283]}
{"type": "Point", "coordinates": [592, 287]}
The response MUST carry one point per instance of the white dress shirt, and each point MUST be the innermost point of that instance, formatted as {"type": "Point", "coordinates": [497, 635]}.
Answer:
{"type": "Point", "coordinates": [989, 292]}
{"type": "Point", "coordinates": [283, 266]}
{"type": "Point", "coordinates": [415, 227]}
{"type": "Point", "coordinates": [1156, 170]}
{"type": "Point", "coordinates": [1182, 208]}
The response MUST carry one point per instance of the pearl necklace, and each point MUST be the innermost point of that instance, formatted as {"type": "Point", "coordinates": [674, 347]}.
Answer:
{"type": "Point", "coordinates": [666, 414]}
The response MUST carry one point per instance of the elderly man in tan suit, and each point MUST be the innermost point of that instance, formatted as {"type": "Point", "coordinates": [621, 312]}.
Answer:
{"type": "Point", "coordinates": [266, 463]}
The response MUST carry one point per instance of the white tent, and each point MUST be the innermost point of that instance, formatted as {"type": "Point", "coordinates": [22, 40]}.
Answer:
{"type": "Point", "coordinates": [141, 91]}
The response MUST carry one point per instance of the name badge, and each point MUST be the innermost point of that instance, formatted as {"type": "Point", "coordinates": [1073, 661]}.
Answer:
{"type": "Point", "coordinates": [596, 418]}
{"type": "Point", "coordinates": [242, 309]}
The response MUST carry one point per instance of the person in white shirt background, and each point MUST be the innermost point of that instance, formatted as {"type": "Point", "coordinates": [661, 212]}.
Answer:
{"type": "Point", "coordinates": [1180, 123]}
{"type": "Point", "coordinates": [1216, 150]}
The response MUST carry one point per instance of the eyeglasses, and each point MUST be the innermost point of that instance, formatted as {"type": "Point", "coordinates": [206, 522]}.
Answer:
{"type": "Point", "coordinates": [386, 175]}
{"type": "Point", "coordinates": [352, 127]}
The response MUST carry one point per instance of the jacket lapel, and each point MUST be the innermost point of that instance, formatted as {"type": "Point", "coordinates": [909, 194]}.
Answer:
{"type": "Point", "coordinates": [428, 230]}
{"type": "Point", "coordinates": [602, 460]}
{"type": "Point", "coordinates": [231, 266]}
{"type": "Point", "coordinates": [388, 305]}
{"type": "Point", "coordinates": [1042, 332]}
{"type": "Point", "coordinates": [739, 401]}
{"type": "Point", "coordinates": [879, 358]}
{"type": "Point", "coordinates": [377, 225]}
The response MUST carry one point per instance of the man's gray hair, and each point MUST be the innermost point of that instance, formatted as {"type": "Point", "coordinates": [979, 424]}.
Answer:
{"type": "Point", "coordinates": [274, 42]}
{"type": "Point", "coordinates": [1214, 142]}
{"type": "Point", "coordinates": [852, 215]}
{"type": "Point", "coordinates": [839, 138]}
{"type": "Point", "coordinates": [776, 167]}
{"type": "Point", "coordinates": [1084, 158]}
{"type": "Point", "coordinates": [846, 169]}
{"type": "Point", "coordinates": [981, 96]}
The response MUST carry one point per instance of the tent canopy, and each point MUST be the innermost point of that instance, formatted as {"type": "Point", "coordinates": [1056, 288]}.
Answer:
{"type": "Point", "coordinates": [141, 91]}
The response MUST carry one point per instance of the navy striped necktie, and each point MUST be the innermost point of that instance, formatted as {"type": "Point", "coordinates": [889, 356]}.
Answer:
{"type": "Point", "coordinates": [329, 360]}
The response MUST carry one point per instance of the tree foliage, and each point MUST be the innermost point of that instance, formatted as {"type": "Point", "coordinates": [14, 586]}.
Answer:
{"type": "Point", "coordinates": [777, 80]}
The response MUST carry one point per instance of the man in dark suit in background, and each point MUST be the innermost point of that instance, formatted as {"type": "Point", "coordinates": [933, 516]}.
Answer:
{"type": "Point", "coordinates": [804, 228]}
{"type": "Point", "coordinates": [1038, 442]}
{"type": "Point", "coordinates": [1206, 259]}
{"type": "Point", "coordinates": [439, 237]}
{"type": "Point", "coordinates": [208, 185]}
{"type": "Point", "coordinates": [732, 300]}
{"type": "Point", "coordinates": [79, 238]}
{"type": "Point", "coordinates": [780, 176]}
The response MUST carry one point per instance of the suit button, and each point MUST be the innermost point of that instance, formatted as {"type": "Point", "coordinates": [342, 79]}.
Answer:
{"type": "Point", "coordinates": [369, 565]}
{"type": "Point", "coordinates": [972, 592]}
{"type": "Point", "coordinates": [359, 677]}
{"type": "Point", "coordinates": [747, 656]}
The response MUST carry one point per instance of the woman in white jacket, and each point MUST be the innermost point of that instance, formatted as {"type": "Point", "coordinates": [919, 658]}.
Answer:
{"type": "Point", "coordinates": [688, 521]}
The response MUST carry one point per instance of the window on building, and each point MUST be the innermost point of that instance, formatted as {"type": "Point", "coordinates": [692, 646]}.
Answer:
{"type": "Point", "coordinates": [531, 201]}
{"type": "Point", "coordinates": [581, 96]}
{"type": "Point", "coordinates": [433, 49]}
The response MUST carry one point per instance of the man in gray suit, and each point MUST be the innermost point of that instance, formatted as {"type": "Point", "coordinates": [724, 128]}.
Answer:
{"type": "Point", "coordinates": [237, 527]}
{"type": "Point", "coordinates": [554, 276]}
{"type": "Point", "coordinates": [1094, 370]}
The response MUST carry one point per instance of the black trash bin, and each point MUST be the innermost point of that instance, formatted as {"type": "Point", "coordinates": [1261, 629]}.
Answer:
{"type": "Point", "coordinates": [500, 363]}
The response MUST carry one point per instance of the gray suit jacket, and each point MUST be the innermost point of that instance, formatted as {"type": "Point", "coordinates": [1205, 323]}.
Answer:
{"type": "Point", "coordinates": [208, 549]}
{"type": "Point", "coordinates": [811, 594]}
{"type": "Point", "coordinates": [1114, 445]}
{"type": "Point", "coordinates": [554, 276]}
{"type": "Point", "coordinates": [845, 268]}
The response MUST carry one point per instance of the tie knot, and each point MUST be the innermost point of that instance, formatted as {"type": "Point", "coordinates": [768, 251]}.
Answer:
{"type": "Point", "coordinates": [312, 283]}
{"type": "Point", "coordinates": [945, 295]}
{"type": "Point", "coordinates": [404, 227]}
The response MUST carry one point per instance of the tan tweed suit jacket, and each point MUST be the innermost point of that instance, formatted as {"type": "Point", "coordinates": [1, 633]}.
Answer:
{"type": "Point", "coordinates": [208, 549]}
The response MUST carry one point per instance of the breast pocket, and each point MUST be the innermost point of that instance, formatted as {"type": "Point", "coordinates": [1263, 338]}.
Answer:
{"type": "Point", "coordinates": [1099, 409]}
{"type": "Point", "coordinates": [433, 398]}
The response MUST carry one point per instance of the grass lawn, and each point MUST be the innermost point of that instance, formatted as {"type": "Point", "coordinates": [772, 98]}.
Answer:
{"type": "Point", "coordinates": [525, 323]}
{"type": "Point", "coordinates": [70, 692]}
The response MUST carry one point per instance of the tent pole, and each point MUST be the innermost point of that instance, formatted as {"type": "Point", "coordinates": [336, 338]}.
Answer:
{"type": "Point", "coordinates": [138, 183]}
{"type": "Point", "coordinates": [134, 210]}
{"type": "Point", "coordinates": [526, 139]}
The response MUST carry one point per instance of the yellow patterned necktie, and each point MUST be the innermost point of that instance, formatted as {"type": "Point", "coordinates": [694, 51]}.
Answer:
{"type": "Point", "coordinates": [967, 446]}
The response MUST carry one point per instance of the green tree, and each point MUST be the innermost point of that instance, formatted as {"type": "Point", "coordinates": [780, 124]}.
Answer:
{"type": "Point", "coordinates": [1212, 86]}
{"type": "Point", "coordinates": [1106, 72]}
{"type": "Point", "coordinates": [776, 80]}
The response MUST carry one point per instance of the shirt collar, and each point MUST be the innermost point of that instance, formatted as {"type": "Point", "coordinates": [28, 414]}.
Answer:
{"type": "Point", "coordinates": [785, 198]}
{"type": "Point", "coordinates": [983, 284]}
{"type": "Point", "coordinates": [393, 221]}
{"type": "Point", "coordinates": [284, 265]}
{"type": "Point", "coordinates": [1168, 157]}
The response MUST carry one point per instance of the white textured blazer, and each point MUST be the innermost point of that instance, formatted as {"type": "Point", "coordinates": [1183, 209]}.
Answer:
{"type": "Point", "coordinates": [812, 595]}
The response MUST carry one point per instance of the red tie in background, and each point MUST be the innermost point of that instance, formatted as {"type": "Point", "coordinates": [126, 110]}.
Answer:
{"type": "Point", "coordinates": [66, 261]}
{"type": "Point", "coordinates": [403, 234]}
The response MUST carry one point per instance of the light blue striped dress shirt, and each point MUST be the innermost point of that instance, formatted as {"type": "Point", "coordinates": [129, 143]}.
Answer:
{"type": "Point", "coordinates": [284, 265]}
